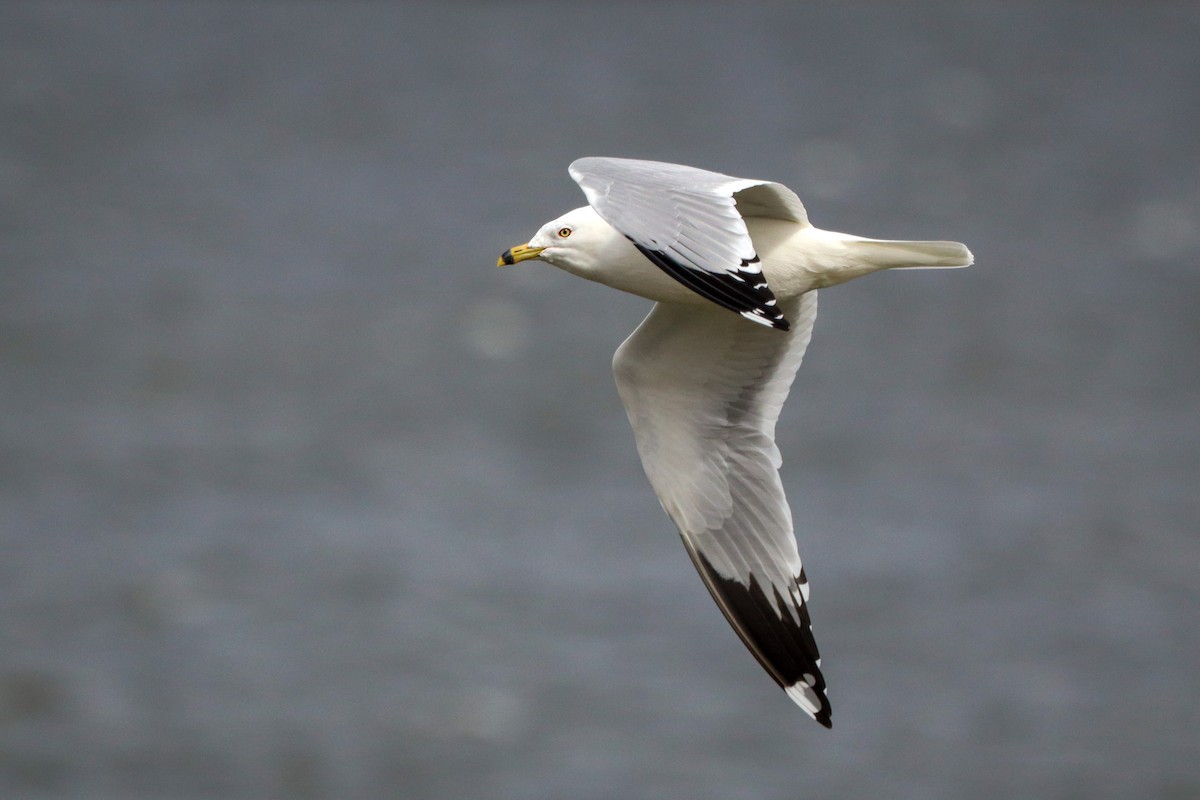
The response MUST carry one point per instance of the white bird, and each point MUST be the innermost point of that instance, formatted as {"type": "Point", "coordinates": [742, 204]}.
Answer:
{"type": "Point", "coordinates": [702, 386]}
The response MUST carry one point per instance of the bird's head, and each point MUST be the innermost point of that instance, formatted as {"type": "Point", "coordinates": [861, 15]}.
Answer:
{"type": "Point", "coordinates": [576, 242]}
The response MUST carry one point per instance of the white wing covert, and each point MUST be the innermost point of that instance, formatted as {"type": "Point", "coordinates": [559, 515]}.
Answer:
{"type": "Point", "coordinates": [689, 223]}
{"type": "Point", "coordinates": [703, 391]}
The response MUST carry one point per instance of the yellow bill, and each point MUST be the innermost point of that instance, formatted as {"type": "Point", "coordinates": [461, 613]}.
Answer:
{"type": "Point", "coordinates": [521, 252]}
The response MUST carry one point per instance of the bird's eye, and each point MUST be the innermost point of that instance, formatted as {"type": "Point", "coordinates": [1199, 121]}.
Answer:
{"type": "Point", "coordinates": [564, 233]}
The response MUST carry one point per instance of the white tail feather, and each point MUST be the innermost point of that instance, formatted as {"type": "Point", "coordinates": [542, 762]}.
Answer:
{"type": "Point", "coordinates": [912, 255]}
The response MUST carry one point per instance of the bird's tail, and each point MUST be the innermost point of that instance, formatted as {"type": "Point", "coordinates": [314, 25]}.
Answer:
{"type": "Point", "coordinates": [884, 254]}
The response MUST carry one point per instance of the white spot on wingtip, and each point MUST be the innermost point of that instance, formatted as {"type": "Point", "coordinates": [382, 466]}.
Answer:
{"type": "Point", "coordinates": [755, 316]}
{"type": "Point", "coordinates": [804, 697]}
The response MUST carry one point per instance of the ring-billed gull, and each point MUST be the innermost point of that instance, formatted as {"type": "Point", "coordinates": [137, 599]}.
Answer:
{"type": "Point", "coordinates": [703, 387]}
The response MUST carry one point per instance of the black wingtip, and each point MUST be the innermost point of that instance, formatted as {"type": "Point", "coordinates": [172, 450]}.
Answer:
{"type": "Point", "coordinates": [823, 717]}
{"type": "Point", "coordinates": [744, 290]}
{"type": "Point", "coordinates": [783, 645]}
{"type": "Point", "coordinates": [781, 324]}
{"type": "Point", "coordinates": [768, 320]}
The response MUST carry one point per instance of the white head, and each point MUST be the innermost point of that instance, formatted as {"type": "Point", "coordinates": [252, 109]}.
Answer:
{"type": "Point", "coordinates": [579, 242]}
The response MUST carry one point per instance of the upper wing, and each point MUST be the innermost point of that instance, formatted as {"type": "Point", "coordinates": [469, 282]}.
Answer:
{"type": "Point", "coordinates": [689, 222]}
{"type": "Point", "coordinates": [703, 393]}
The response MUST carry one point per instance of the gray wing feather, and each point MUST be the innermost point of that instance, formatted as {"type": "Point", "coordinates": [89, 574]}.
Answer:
{"type": "Point", "coordinates": [691, 213]}
{"type": "Point", "coordinates": [703, 392]}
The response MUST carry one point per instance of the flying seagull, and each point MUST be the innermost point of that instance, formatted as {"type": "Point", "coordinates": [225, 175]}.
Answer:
{"type": "Point", "coordinates": [734, 267]}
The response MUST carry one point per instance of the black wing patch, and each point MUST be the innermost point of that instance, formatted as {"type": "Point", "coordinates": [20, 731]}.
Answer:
{"type": "Point", "coordinates": [743, 290]}
{"type": "Point", "coordinates": [786, 650]}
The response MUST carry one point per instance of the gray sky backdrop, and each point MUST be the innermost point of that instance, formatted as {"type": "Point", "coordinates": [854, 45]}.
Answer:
{"type": "Point", "coordinates": [301, 497]}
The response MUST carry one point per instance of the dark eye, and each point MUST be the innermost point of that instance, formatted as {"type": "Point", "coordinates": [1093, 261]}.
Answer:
{"type": "Point", "coordinates": [564, 233]}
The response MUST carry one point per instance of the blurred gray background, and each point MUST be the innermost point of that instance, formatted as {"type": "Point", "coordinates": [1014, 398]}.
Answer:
{"type": "Point", "coordinates": [301, 497]}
